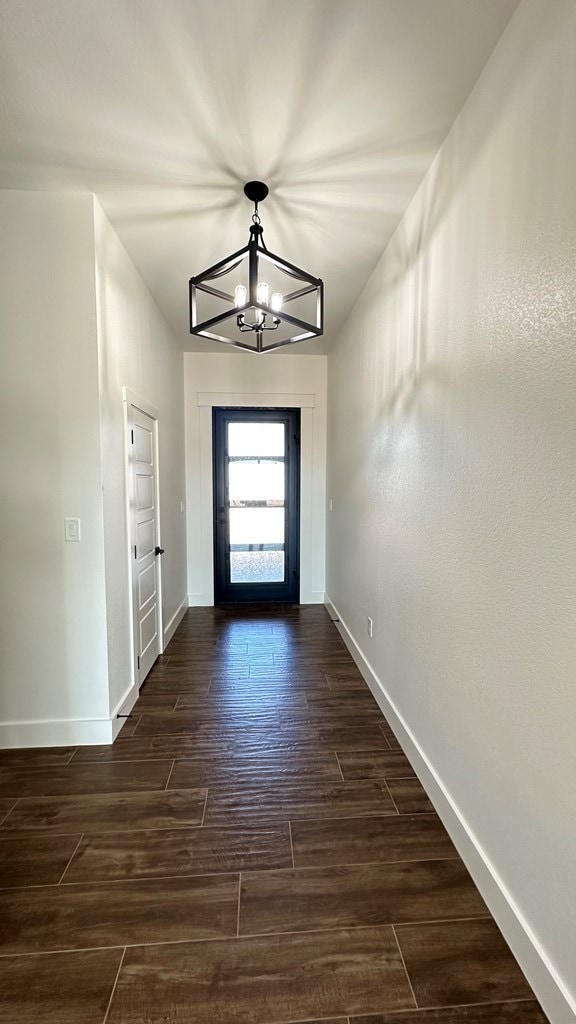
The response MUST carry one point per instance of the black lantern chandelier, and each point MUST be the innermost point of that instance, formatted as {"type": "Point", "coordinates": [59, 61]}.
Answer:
{"type": "Point", "coordinates": [259, 314]}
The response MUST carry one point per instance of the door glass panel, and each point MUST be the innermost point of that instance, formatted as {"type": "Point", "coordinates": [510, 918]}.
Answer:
{"type": "Point", "coordinates": [256, 526]}
{"type": "Point", "coordinates": [255, 480]}
{"type": "Point", "coordinates": [257, 545]}
{"type": "Point", "coordinates": [256, 439]}
{"type": "Point", "coordinates": [256, 497]}
{"type": "Point", "coordinates": [257, 566]}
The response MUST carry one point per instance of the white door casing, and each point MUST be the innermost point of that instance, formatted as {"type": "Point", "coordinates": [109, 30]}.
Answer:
{"type": "Point", "coordinates": [144, 529]}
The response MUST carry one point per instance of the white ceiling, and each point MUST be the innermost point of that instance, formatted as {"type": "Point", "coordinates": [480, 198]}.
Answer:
{"type": "Point", "coordinates": [164, 108]}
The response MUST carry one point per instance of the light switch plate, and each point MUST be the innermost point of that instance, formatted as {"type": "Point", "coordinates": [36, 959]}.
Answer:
{"type": "Point", "coordinates": [72, 530]}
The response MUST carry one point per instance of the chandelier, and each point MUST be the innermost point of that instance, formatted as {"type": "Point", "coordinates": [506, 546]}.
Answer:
{"type": "Point", "coordinates": [257, 313]}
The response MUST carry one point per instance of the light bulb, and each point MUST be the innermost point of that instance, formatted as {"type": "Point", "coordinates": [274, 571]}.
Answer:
{"type": "Point", "coordinates": [239, 295]}
{"type": "Point", "coordinates": [276, 301]}
{"type": "Point", "coordinates": [262, 293]}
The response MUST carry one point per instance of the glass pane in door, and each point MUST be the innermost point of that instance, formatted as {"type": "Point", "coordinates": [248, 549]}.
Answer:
{"type": "Point", "coordinates": [256, 502]}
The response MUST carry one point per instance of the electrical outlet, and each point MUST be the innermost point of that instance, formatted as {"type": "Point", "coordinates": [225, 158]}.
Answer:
{"type": "Point", "coordinates": [181, 506]}
{"type": "Point", "coordinates": [72, 530]}
{"type": "Point", "coordinates": [370, 626]}
{"type": "Point", "coordinates": [330, 505]}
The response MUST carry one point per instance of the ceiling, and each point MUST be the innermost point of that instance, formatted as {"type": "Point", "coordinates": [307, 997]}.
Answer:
{"type": "Point", "coordinates": [164, 108]}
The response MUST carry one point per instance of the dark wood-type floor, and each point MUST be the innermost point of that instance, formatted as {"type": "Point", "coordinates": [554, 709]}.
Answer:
{"type": "Point", "coordinates": [255, 848]}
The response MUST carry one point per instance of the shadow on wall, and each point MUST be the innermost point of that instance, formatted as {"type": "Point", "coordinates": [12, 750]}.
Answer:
{"type": "Point", "coordinates": [410, 369]}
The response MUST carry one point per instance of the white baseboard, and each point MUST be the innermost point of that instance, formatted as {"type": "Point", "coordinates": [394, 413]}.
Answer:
{"type": "Point", "coordinates": [175, 621]}
{"type": "Point", "coordinates": [200, 601]}
{"type": "Point", "coordinates": [63, 733]}
{"type": "Point", "coordinates": [556, 1000]}
{"type": "Point", "coordinates": [312, 597]}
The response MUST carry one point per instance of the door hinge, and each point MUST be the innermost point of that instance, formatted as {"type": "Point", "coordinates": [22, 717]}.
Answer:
{"type": "Point", "coordinates": [297, 438]}
{"type": "Point", "coordinates": [132, 436]}
{"type": "Point", "coordinates": [138, 660]}
{"type": "Point", "coordinates": [135, 555]}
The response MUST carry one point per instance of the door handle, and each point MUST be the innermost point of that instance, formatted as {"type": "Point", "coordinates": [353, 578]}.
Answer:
{"type": "Point", "coordinates": [158, 551]}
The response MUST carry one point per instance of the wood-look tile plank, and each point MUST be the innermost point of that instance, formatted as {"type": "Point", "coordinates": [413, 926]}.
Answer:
{"type": "Point", "coordinates": [375, 764]}
{"type": "Point", "coordinates": [367, 840]}
{"type": "Point", "coordinates": [151, 701]}
{"type": "Point", "coordinates": [110, 812]}
{"type": "Point", "coordinates": [190, 723]}
{"type": "Point", "coordinates": [306, 674]}
{"type": "Point", "coordinates": [409, 796]}
{"type": "Point", "coordinates": [346, 699]}
{"type": "Point", "coordinates": [231, 805]}
{"type": "Point", "coordinates": [35, 860]}
{"type": "Point", "coordinates": [274, 687]}
{"type": "Point", "coordinates": [524, 1012]}
{"type": "Point", "coordinates": [357, 895]}
{"type": "Point", "coordinates": [337, 736]}
{"type": "Point", "coordinates": [83, 916]}
{"type": "Point", "coordinates": [457, 962]}
{"type": "Point", "coordinates": [63, 988]}
{"type": "Point", "coordinates": [71, 780]}
{"type": "Point", "coordinates": [348, 681]}
{"type": "Point", "coordinates": [257, 771]}
{"type": "Point", "coordinates": [359, 718]}
{"type": "Point", "coordinates": [235, 743]}
{"type": "Point", "coordinates": [233, 702]}
{"type": "Point", "coordinates": [125, 855]}
{"type": "Point", "coordinates": [35, 757]}
{"type": "Point", "coordinates": [262, 980]}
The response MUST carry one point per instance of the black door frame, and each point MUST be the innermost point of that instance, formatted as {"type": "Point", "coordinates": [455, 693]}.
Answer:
{"type": "Point", "coordinates": [287, 592]}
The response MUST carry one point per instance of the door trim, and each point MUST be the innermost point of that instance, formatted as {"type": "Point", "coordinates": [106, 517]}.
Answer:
{"type": "Point", "coordinates": [312, 484]}
{"type": "Point", "coordinates": [288, 591]}
{"type": "Point", "coordinates": [132, 398]}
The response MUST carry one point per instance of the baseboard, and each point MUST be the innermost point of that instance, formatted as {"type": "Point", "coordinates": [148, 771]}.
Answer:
{"type": "Point", "coordinates": [176, 620]}
{"type": "Point", "coordinates": [62, 733]}
{"type": "Point", "coordinates": [556, 1000]}
{"type": "Point", "coordinates": [200, 601]}
{"type": "Point", "coordinates": [312, 597]}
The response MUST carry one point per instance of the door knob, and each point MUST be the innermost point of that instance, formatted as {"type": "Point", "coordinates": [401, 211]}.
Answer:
{"type": "Point", "coordinates": [158, 551]}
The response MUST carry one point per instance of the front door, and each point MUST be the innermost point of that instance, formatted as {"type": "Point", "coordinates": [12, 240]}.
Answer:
{"type": "Point", "coordinates": [256, 505]}
{"type": "Point", "coordinates": [144, 537]}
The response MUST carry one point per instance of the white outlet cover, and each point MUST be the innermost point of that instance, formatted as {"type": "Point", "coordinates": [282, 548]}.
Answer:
{"type": "Point", "coordinates": [72, 530]}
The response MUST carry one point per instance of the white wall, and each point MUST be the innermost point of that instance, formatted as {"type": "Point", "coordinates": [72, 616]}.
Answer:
{"type": "Point", "coordinates": [248, 380]}
{"type": "Point", "coordinates": [138, 351]}
{"type": "Point", "coordinates": [54, 681]}
{"type": "Point", "coordinates": [78, 325]}
{"type": "Point", "coordinates": [452, 413]}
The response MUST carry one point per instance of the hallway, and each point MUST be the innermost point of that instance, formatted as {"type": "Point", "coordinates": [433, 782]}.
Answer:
{"type": "Point", "coordinates": [253, 849]}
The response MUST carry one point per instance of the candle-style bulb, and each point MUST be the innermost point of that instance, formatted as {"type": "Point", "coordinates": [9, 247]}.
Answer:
{"type": "Point", "coordinates": [276, 301]}
{"type": "Point", "coordinates": [262, 292]}
{"type": "Point", "coordinates": [239, 295]}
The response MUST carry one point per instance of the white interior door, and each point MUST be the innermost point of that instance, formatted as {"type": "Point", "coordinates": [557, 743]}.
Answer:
{"type": "Point", "coordinates": [145, 540]}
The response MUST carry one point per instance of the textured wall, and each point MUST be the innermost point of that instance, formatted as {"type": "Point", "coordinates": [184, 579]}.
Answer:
{"type": "Point", "coordinates": [52, 624]}
{"type": "Point", "coordinates": [138, 351]}
{"type": "Point", "coordinates": [452, 450]}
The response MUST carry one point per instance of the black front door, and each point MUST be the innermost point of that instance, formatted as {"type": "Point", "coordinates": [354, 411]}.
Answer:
{"type": "Point", "coordinates": [256, 505]}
